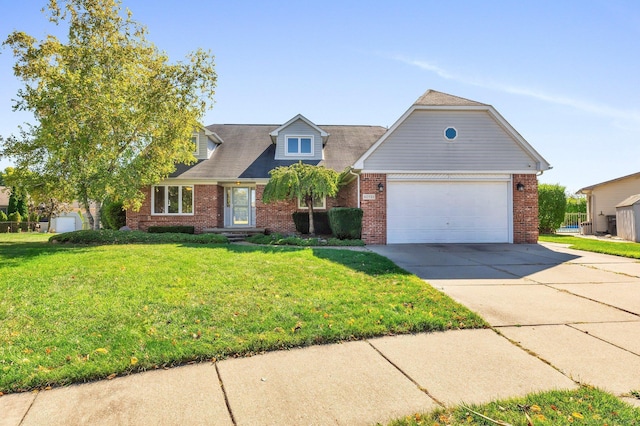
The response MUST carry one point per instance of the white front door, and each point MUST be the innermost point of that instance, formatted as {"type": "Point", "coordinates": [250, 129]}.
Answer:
{"type": "Point", "coordinates": [240, 206]}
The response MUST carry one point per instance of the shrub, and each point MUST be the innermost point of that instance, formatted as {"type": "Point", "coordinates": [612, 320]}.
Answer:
{"type": "Point", "coordinates": [346, 222]}
{"type": "Point", "coordinates": [552, 203]}
{"type": "Point", "coordinates": [3, 216]}
{"type": "Point", "coordinates": [110, 236]}
{"type": "Point", "coordinates": [14, 217]}
{"type": "Point", "coordinates": [320, 222]}
{"type": "Point", "coordinates": [174, 229]}
{"type": "Point", "coordinates": [280, 240]}
{"type": "Point", "coordinates": [576, 205]}
{"type": "Point", "coordinates": [113, 215]}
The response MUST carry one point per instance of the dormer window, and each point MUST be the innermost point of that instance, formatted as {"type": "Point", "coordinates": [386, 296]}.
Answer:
{"type": "Point", "coordinates": [195, 145]}
{"type": "Point", "coordinates": [299, 145]}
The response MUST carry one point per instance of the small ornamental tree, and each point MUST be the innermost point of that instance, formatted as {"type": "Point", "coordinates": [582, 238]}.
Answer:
{"type": "Point", "coordinates": [552, 203]}
{"type": "Point", "coordinates": [304, 182]}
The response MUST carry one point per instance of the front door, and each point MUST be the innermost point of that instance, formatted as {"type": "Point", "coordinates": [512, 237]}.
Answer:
{"type": "Point", "coordinates": [240, 211]}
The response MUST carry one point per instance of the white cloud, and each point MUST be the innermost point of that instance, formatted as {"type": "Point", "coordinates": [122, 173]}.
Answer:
{"type": "Point", "coordinates": [586, 106]}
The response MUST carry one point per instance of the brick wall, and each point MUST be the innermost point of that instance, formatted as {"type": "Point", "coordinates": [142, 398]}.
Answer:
{"type": "Point", "coordinates": [525, 209]}
{"type": "Point", "coordinates": [208, 213]}
{"type": "Point", "coordinates": [348, 195]}
{"type": "Point", "coordinates": [374, 220]}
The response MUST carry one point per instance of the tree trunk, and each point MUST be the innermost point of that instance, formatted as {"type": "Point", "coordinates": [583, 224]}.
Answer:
{"type": "Point", "coordinates": [98, 218]}
{"type": "Point", "coordinates": [312, 228]}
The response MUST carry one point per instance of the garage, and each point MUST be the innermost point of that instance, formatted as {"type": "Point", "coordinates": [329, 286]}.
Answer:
{"type": "Point", "coordinates": [460, 211]}
{"type": "Point", "coordinates": [65, 224]}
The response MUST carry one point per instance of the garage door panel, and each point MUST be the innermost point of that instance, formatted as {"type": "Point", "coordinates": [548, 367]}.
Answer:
{"type": "Point", "coordinates": [447, 212]}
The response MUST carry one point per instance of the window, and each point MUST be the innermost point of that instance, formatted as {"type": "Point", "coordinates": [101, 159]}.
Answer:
{"type": "Point", "coordinates": [299, 145]}
{"type": "Point", "coordinates": [195, 144]}
{"type": "Point", "coordinates": [450, 133]}
{"type": "Point", "coordinates": [318, 203]}
{"type": "Point", "coordinates": [172, 199]}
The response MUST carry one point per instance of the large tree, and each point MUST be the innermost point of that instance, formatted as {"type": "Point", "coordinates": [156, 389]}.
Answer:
{"type": "Point", "coordinates": [113, 114]}
{"type": "Point", "coordinates": [301, 181]}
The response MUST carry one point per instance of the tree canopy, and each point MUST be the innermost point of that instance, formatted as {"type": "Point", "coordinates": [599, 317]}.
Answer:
{"type": "Point", "coordinates": [301, 181]}
{"type": "Point", "coordinates": [113, 114]}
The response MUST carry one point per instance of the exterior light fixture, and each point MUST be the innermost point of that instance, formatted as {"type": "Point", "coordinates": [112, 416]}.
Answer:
{"type": "Point", "coordinates": [380, 187]}
{"type": "Point", "coordinates": [520, 186]}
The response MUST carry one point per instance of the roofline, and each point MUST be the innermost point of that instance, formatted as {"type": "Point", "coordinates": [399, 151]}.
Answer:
{"type": "Point", "coordinates": [591, 187]}
{"type": "Point", "coordinates": [541, 163]}
{"type": "Point", "coordinates": [323, 134]}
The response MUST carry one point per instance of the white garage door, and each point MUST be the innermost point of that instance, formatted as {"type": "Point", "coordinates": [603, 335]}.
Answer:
{"type": "Point", "coordinates": [65, 224]}
{"type": "Point", "coordinates": [448, 212]}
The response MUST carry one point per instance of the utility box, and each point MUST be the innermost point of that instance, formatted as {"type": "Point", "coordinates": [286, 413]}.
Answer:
{"type": "Point", "coordinates": [628, 218]}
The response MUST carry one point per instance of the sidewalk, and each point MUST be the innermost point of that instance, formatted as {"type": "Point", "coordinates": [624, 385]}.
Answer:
{"type": "Point", "coordinates": [352, 383]}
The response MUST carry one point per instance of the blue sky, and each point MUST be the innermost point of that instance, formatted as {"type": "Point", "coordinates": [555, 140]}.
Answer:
{"type": "Point", "coordinates": [565, 73]}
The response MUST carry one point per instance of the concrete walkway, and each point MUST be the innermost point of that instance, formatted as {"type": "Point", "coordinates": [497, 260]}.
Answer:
{"type": "Point", "coordinates": [560, 317]}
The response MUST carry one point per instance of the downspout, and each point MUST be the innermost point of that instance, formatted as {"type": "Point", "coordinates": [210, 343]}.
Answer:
{"type": "Point", "coordinates": [357, 186]}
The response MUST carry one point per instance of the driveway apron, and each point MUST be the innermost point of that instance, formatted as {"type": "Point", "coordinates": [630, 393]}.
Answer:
{"type": "Point", "coordinates": [577, 311]}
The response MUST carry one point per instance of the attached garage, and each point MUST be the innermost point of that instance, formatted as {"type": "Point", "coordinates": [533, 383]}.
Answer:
{"type": "Point", "coordinates": [451, 211]}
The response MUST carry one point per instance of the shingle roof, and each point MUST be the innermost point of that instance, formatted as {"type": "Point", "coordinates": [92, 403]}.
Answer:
{"type": "Point", "coordinates": [591, 187]}
{"type": "Point", "coordinates": [435, 98]}
{"type": "Point", "coordinates": [248, 152]}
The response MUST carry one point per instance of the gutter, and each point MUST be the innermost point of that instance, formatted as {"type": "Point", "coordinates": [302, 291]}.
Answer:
{"type": "Point", "coordinates": [357, 175]}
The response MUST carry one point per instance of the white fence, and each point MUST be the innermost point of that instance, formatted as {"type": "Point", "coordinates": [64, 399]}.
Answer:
{"type": "Point", "coordinates": [572, 222]}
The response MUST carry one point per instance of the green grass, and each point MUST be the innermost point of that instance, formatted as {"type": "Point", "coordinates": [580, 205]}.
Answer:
{"type": "Point", "coordinates": [584, 406]}
{"type": "Point", "coordinates": [72, 313]}
{"type": "Point", "coordinates": [625, 249]}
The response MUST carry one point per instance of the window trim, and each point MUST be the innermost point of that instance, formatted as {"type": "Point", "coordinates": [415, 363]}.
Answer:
{"type": "Point", "coordinates": [197, 136]}
{"type": "Point", "coordinates": [304, 207]}
{"type": "Point", "coordinates": [166, 200]}
{"type": "Point", "coordinates": [446, 137]}
{"type": "Point", "coordinates": [298, 154]}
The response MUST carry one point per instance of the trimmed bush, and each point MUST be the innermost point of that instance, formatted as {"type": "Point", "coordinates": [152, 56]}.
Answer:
{"type": "Point", "coordinates": [320, 221]}
{"type": "Point", "coordinates": [346, 222]}
{"type": "Point", "coordinates": [280, 240]}
{"type": "Point", "coordinates": [113, 215]}
{"type": "Point", "coordinates": [3, 216]}
{"type": "Point", "coordinates": [109, 236]}
{"type": "Point", "coordinates": [175, 229]}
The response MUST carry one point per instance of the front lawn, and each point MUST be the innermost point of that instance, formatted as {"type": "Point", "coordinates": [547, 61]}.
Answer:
{"type": "Point", "coordinates": [584, 406]}
{"type": "Point", "coordinates": [625, 249]}
{"type": "Point", "coordinates": [72, 313]}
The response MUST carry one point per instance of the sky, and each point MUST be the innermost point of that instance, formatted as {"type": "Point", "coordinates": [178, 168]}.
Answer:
{"type": "Point", "coordinates": [565, 74]}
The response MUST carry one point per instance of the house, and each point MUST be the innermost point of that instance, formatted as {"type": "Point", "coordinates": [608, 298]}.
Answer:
{"type": "Point", "coordinates": [449, 170]}
{"type": "Point", "coordinates": [602, 199]}
{"type": "Point", "coordinates": [4, 198]}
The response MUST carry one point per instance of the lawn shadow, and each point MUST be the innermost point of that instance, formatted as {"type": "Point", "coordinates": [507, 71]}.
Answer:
{"type": "Point", "coordinates": [13, 253]}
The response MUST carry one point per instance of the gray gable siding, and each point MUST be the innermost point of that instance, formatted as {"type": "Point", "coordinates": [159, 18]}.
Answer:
{"type": "Point", "coordinates": [202, 146]}
{"type": "Point", "coordinates": [419, 144]}
{"type": "Point", "coordinates": [298, 128]}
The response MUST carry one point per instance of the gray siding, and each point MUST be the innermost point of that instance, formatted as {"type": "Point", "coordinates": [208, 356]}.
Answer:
{"type": "Point", "coordinates": [202, 146]}
{"type": "Point", "coordinates": [298, 128]}
{"type": "Point", "coordinates": [419, 144]}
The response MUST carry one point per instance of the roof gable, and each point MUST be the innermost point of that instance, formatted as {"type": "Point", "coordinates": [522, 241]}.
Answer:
{"type": "Point", "coordinates": [274, 134]}
{"type": "Point", "coordinates": [432, 106]}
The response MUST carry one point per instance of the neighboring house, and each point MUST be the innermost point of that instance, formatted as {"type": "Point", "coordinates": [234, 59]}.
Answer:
{"type": "Point", "coordinates": [4, 198]}
{"type": "Point", "coordinates": [449, 170]}
{"type": "Point", "coordinates": [602, 199]}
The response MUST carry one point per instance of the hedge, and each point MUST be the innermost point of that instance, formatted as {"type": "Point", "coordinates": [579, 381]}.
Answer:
{"type": "Point", "coordinates": [346, 222]}
{"type": "Point", "coordinates": [320, 222]}
{"type": "Point", "coordinates": [179, 229]}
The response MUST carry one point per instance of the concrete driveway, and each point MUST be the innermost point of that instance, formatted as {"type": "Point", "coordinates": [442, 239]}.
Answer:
{"type": "Point", "coordinates": [577, 311]}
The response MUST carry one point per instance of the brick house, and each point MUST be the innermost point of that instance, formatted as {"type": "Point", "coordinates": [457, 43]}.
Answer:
{"type": "Point", "coordinates": [449, 170]}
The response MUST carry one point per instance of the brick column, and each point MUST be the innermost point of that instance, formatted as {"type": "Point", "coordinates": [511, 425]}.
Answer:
{"type": "Point", "coordinates": [525, 209]}
{"type": "Point", "coordinates": [374, 219]}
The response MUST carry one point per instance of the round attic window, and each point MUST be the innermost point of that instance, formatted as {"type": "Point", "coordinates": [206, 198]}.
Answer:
{"type": "Point", "coordinates": [450, 133]}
